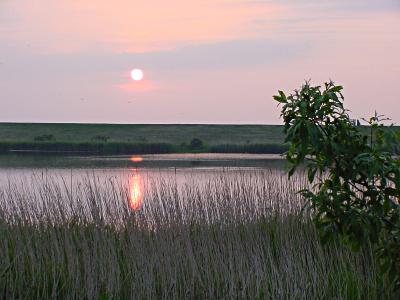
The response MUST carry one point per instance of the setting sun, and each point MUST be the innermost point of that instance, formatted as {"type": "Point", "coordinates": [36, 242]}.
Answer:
{"type": "Point", "coordinates": [137, 74]}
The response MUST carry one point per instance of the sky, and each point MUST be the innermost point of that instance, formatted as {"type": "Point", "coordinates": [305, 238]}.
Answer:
{"type": "Point", "coordinates": [204, 61]}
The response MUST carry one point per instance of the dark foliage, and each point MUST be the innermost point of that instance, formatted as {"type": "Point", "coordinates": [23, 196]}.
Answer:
{"type": "Point", "coordinates": [44, 137]}
{"type": "Point", "coordinates": [250, 148]}
{"type": "Point", "coordinates": [196, 144]}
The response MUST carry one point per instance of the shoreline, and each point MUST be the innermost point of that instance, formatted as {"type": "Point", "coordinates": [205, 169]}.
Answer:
{"type": "Point", "coordinates": [124, 148]}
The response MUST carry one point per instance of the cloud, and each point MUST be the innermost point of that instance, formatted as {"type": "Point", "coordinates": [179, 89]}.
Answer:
{"type": "Point", "coordinates": [66, 26]}
{"type": "Point", "coordinates": [230, 54]}
{"type": "Point", "coordinates": [336, 5]}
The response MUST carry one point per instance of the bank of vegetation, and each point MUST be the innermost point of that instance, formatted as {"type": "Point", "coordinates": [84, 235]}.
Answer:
{"type": "Point", "coordinates": [115, 148]}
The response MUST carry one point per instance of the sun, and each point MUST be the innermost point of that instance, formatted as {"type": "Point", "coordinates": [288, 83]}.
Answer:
{"type": "Point", "coordinates": [137, 74]}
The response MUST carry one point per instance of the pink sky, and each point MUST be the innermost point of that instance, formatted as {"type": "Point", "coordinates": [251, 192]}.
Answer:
{"type": "Point", "coordinates": [205, 61]}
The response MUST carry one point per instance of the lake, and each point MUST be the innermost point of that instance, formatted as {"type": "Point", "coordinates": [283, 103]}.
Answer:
{"type": "Point", "coordinates": [142, 177]}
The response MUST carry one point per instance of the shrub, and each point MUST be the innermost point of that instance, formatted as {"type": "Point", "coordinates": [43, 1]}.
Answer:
{"type": "Point", "coordinates": [357, 177]}
{"type": "Point", "coordinates": [44, 137]}
{"type": "Point", "coordinates": [196, 144]}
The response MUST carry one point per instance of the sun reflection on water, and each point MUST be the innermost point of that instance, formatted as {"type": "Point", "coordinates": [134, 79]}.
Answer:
{"type": "Point", "coordinates": [136, 159]}
{"type": "Point", "coordinates": [136, 191]}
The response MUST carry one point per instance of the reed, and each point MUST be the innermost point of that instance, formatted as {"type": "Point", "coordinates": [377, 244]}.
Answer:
{"type": "Point", "coordinates": [239, 236]}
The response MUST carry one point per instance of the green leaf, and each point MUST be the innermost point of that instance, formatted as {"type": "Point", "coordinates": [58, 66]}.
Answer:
{"type": "Point", "coordinates": [281, 98]}
{"type": "Point", "coordinates": [291, 171]}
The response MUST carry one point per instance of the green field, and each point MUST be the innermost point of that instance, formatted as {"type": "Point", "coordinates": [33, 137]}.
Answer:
{"type": "Point", "coordinates": [141, 138]}
{"type": "Point", "coordinates": [129, 138]}
{"type": "Point", "coordinates": [172, 134]}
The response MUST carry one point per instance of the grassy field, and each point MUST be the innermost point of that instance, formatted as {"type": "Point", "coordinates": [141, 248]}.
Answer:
{"type": "Point", "coordinates": [171, 134]}
{"type": "Point", "coordinates": [140, 139]}
{"type": "Point", "coordinates": [228, 238]}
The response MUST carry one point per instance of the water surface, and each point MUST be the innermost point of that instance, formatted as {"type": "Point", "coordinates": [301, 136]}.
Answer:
{"type": "Point", "coordinates": [140, 174]}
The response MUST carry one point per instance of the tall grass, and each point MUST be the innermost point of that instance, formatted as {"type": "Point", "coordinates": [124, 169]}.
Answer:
{"type": "Point", "coordinates": [238, 236]}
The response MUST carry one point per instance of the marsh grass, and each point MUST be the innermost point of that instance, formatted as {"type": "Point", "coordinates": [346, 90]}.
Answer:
{"type": "Point", "coordinates": [239, 236]}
